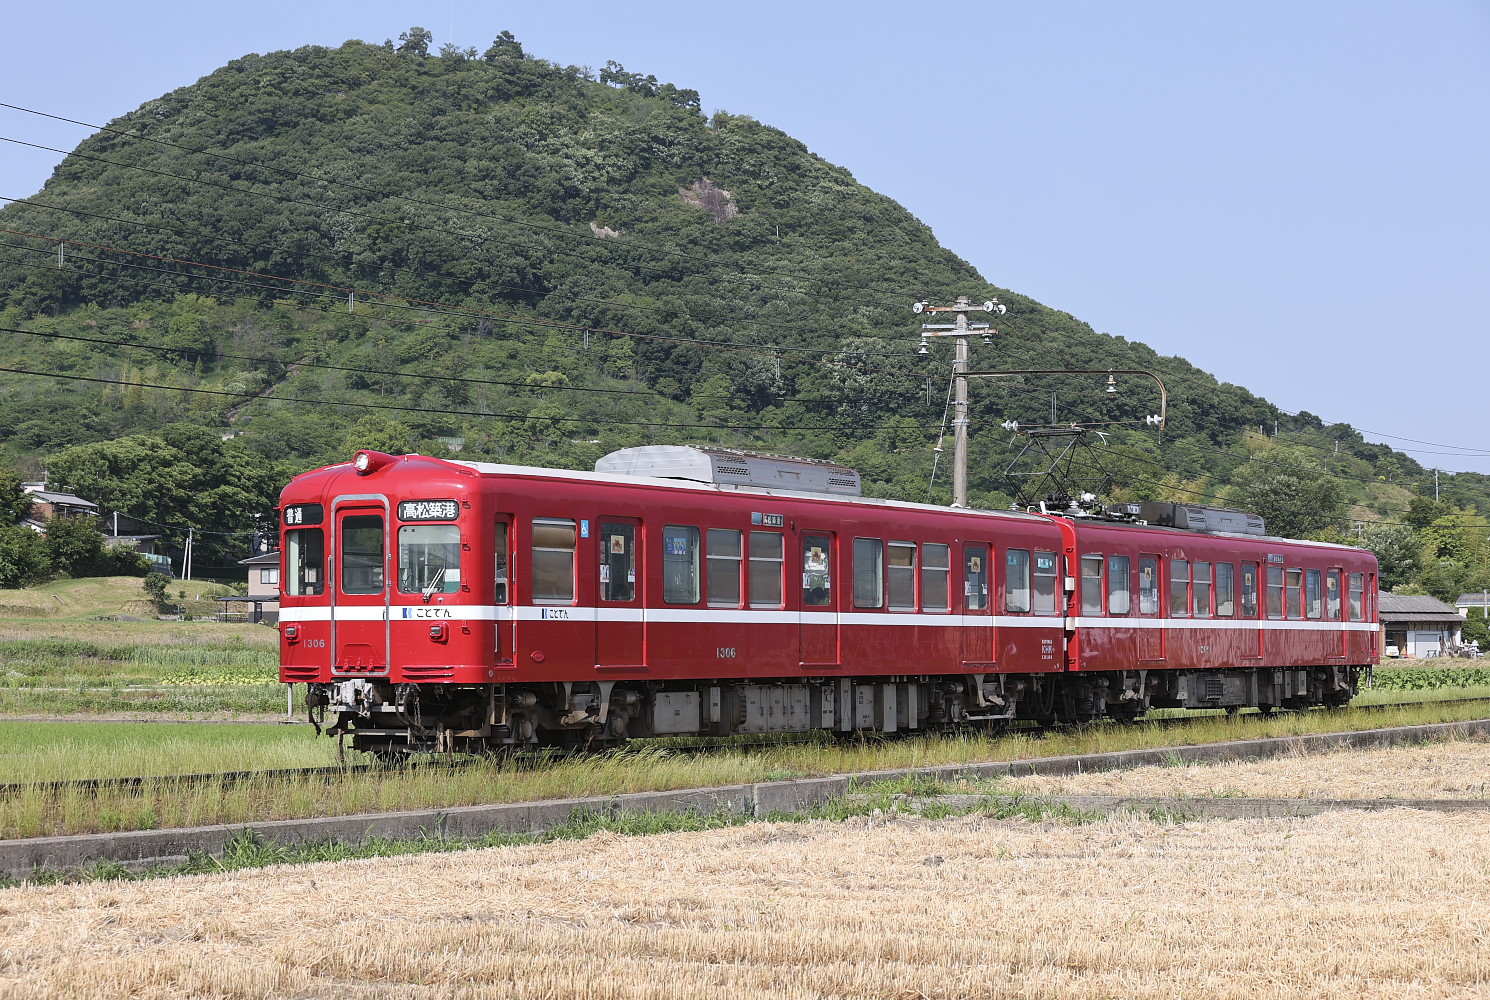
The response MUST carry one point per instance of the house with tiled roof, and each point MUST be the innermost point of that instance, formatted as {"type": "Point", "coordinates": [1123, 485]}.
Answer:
{"type": "Point", "coordinates": [1417, 625]}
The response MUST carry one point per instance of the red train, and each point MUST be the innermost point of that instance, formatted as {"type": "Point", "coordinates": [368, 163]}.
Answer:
{"type": "Point", "coordinates": [440, 605]}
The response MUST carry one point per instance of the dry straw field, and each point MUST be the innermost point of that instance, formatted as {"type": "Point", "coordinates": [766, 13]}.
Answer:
{"type": "Point", "coordinates": [1348, 904]}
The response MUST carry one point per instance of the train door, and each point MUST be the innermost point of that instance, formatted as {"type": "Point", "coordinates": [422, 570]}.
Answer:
{"type": "Point", "coordinates": [619, 625]}
{"type": "Point", "coordinates": [1251, 633]}
{"type": "Point", "coordinates": [505, 631]}
{"type": "Point", "coordinates": [819, 616]}
{"type": "Point", "coordinates": [360, 591]}
{"type": "Point", "coordinates": [1149, 618]}
{"type": "Point", "coordinates": [977, 618]}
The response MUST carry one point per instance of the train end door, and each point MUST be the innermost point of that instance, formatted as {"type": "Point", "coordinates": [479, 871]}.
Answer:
{"type": "Point", "coordinates": [361, 579]}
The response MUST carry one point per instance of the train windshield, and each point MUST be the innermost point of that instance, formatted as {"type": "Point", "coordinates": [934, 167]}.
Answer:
{"type": "Point", "coordinates": [304, 559]}
{"type": "Point", "coordinates": [428, 559]}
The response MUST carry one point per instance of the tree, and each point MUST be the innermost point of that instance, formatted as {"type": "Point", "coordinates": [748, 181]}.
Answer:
{"type": "Point", "coordinates": [23, 557]}
{"type": "Point", "coordinates": [74, 545]}
{"type": "Point", "coordinates": [1398, 552]}
{"type": "Point", "coordinates": [15, 502]}
{"type": "Point", "coordinates": [504, 46]}
{"type": "Point", "coordinates": [1291, 491]}
{"type": "Point", "coordinates": [415, 41]}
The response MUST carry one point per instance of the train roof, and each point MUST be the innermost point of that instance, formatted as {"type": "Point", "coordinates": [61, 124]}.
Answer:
{"type": "Point", "coordinates": [691, 485]}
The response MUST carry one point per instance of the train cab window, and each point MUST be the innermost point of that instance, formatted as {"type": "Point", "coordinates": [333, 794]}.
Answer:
{"type": "Point", "coordinates": [1200, 589]}
{"type": "Point", "coordinates": [725, 559]}
{"type": "Point", "coordinates": [553, 561]}
{"type": "Point", "coordinates": [1313, 598]}
{"type": "Point", "coordinates": [499, 565]}
{"type": "Point", "coordinates": [1357, 591]}
{"type": "Point", "coordinates": [428, 559]}
{"type": "Point", "coordinates": [1091, 585]}
{"type": "Point", "coordinates": [680, 564]}
{"type": "Point", "coordinates": [936, 575]}
{"type": "Point", "coordinates": [1179, 588]}
{"type": "Point", "coordinates": [869, 573]}
{"type": "Point", "coordinates": [767, 558]}
{"type": "Point", "coordinates": [1275, 591]}
{"type": "Point", "coordinates": [1332, 595]}
{"type": "Point", "coordinates": [305, 560]}
{"type": "Point", "coordinates": [1119, 580]}
{"type": "Point", "coordinates": [362, 554]}
{"type": "Point", "coordinates": [1148, 585]}
{"type": "Point", "coordinates": [617, 561]}
{"type": "Point", "coordinates": [1293, 580]}
{"type": "Point", "coordinates": [1249, 590]}
{"type": "Point", "coordinates": [1017, 580]}
{"type": "Point", "coordinates": [817, 571]}
{"type": "Point", "coordinates": [1225, 590]}
{"type": "Point", "coordinates": [1047, 568]}
{"type": "Point", "coordinates": [902, 576]}
{"type": "Point", "coordinates": [975, 578]}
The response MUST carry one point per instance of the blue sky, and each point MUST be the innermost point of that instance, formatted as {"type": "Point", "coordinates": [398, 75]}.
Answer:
{"type": "Point", "coordinates": [1292, 195]}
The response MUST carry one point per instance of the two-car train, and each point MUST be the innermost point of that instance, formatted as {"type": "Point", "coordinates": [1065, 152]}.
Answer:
{"type": "Point", "coordinates": [441, 605]}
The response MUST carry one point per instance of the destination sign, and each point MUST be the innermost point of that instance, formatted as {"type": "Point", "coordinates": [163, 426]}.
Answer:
{"type": "Point", "coordinates": [428, 510]}
{"type": "Point", "coordinates": [304, 513]}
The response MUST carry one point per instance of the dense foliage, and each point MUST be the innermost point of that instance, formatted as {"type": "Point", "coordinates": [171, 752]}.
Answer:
{"type": "Point", "coordinates": [496, 257]}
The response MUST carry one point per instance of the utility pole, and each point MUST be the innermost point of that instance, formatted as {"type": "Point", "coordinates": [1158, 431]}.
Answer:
{"type": "Point", "coordinates": [961, 330]}
{"type": "Point", "coordinates": [190, 533]}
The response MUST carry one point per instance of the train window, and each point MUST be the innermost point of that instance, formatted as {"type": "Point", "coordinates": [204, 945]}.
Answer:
{"type": "Point", "coordinates": [1313, 599]}
{"type": "Point", "coordinates": [553, 561]}
{"type": "Point", "coordinates": [817, 571]}
{"type": "Point", "coordinates": [725, 559]}
{"type": "Point", "coordinates": [305, 556]}
{"type": "Point", "coordinates": [1249, 590]}
{"type": "Point", "coordinates": [1200, 589]}
{"type": "Point", "coordinates": [1293, 580]}
{"type": "Point", "coordinates": [362, 554]}
{"type": "Point", "coordinates": [1357, 591]}
{"type": "Point", "coordinates": [767, 557]}
{"type": "Point", "coordinates": [1016, 580]}
{"type": "Point", "coordinates": [1332, 595]}
{"type": "Point", "coordinates": [869, 573]}
{"type": "Point", "coordinates": [1046, 571]}
{"type": "Point", "coordinates": [936, 573]}
{"type": "Point", "coordinates": [975, 578]}
{"type": "Point", "coordinates": [499, 566]}
{"type": "Point", "coordinates": [617, 561]}
{"type": "Point", "coordinates": [1118, 582]}
{"type": "Point", "coordinates": [903, 576]}
{"type": "Point", "coordinates": [1091, 585]}
{"type": "Point", "coordinates": [1179, 588]}
{"type": "Point", "coordinates": [1275, 591]}
{"type": "Point", "coordinates": [679, 564]}
{"type": "Point", "coordinates": [428, 559]}
{"type": "Point", "coordinates": [1148, 585]}
{"type": "Point", "coordinates": [1225, 590]}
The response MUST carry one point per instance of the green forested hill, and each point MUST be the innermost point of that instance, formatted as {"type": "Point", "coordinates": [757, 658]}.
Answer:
{"type": "Point", "coordinates": [494, 256]}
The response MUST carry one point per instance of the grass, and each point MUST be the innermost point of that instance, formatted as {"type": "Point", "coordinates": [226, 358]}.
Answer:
{"type": "Point", "coordinates": [51, 751]}
{"type": "Point", "coordinates": [876, 904]}
{"type": "Point", "coordinates": [43, 813]}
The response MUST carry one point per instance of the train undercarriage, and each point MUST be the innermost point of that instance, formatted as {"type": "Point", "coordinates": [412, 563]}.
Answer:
{"type": "Point", "coordinates": [394, 720]}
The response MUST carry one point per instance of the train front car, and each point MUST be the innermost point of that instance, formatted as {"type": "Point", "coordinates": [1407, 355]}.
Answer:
{"type": "Point", "coordinates": [383, 614]}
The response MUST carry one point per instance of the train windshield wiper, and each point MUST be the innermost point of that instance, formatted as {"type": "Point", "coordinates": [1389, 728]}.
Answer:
{"type": "Point", "coordinates": [434, 584]}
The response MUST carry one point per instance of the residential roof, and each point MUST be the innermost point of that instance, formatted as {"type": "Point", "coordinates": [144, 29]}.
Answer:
{"type": "Point", "coordinates": [1476, 600]}
{"type": "Point", "coordinates": [1417, 608]}
{"type": "Point", "coordinates": [48, 496]}
{"type": "Point", "coordinates": [267, 558]}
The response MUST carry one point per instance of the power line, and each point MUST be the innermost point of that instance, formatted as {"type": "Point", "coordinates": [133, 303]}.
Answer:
{"type": "Point", "coordinates": [597, 421]}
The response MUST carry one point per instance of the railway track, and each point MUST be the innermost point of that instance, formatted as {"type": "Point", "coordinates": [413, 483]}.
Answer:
{"type": "Point", "coordinates": [138, 784]}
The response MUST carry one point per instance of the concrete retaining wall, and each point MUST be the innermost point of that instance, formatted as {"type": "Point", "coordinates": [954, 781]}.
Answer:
{"type": "Point", "coordinates": [19, 858]}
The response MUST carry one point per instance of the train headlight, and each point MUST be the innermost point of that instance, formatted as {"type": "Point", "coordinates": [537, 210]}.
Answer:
{"type": "Point", "coordinates": [370, 461]}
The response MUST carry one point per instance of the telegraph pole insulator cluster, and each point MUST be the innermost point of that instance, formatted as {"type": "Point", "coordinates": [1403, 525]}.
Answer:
{"type": "Point", "coordinates": [961, 330]}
